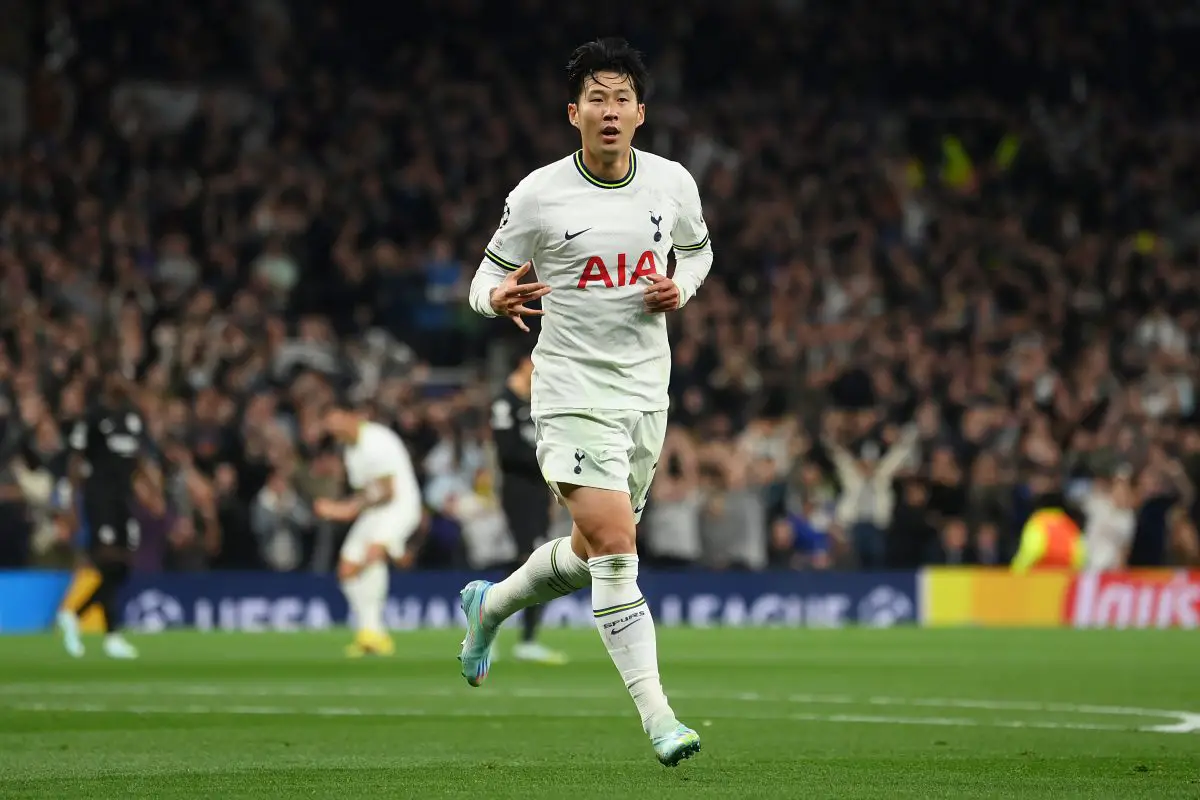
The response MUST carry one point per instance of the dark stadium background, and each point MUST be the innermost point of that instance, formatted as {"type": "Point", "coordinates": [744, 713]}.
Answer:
{"type": "Point", "coordinates": [977, 218]}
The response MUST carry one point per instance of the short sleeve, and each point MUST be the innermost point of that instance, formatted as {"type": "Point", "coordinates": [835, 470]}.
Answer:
{"type": "Point", "coordinates": [690, 233]}
{"type": "Point", "coordinates": [382, 452]}
{"type": "Point", "coordinates": [517, 236]}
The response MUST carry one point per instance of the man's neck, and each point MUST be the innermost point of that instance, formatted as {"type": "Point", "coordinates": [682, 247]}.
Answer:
{"type": "Point", "coordinates": [519, 387]}
{"type": "Point", "coordinates": [607, 170]}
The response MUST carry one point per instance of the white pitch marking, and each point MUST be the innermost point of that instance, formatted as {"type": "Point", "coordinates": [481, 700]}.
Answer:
{"type": "Point", "coordinates": [1179, 721]}
{"type": "Point", "coordinates": [338, 711]}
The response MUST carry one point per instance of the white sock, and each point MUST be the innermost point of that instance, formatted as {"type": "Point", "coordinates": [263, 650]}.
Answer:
{"type": "Point", "coordinates": [372, 590]}
{"type": "Point", "coordinates": [625, 625]}
{"type": "Point", "coordinates": [553, 570]}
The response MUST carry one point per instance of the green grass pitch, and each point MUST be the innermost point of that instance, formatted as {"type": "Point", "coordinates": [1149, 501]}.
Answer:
{"type": "Point", "coordinates": [904, 713]}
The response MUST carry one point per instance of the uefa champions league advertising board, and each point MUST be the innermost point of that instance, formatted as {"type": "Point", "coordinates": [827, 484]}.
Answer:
{"type": "Point", "coordinates": [937, 597]}
{"type": "Point", "coordinates": [304, 602]}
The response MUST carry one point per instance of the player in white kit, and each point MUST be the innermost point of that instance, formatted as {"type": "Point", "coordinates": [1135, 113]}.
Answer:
{"type": "Point", "coordinates": [1110, 521]}
{"type": "Point", "coordinates": [597, 227]}
{"type": "Point", "coordinates": [386, 511]}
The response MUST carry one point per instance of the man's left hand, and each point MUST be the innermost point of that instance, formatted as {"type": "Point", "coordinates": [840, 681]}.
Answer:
{"type": "Point", "coordinates": [661, 295]}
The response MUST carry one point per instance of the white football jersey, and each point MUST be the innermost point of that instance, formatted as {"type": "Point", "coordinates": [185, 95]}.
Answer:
{"type": "Point", "coordinates": [380, 453]}
{"type": "Point", "coordinates": [593, 242]}
{"type": "Point", "coordinates": [1108, 532]}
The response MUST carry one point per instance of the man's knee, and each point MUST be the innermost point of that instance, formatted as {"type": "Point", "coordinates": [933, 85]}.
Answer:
{"type": "Point", "coordinates": [347, 569]}
{"type": "Point", "coordinates": [351, 567]}
{"type": "Point", "coordinates": [603, 519]}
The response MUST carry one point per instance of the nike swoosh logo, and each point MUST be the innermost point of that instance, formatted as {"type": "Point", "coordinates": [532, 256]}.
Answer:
{"type": "Point", "coordinates": [615, 631]}
{"type": "Point", "coordinates": [569, 236]}
{"type": "Point", "coordinates": [638, 510]}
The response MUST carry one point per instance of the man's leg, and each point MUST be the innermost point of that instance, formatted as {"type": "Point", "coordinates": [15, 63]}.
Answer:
{"type": "Point", "coordinates": [363, 576]}
{"type": "Point", "coordinates": [553, 570]}
{"type": "Point", "coordinates": [115, 537]}
{"type": "Point", "coordinates": [587, 458]}
{"type": "Point", "coordinates": [114, 575]}
{"type": "Point", "coordinates": [527, 510]}
{"type": "Point", "coordinates": [530, 618]}
{"type": "Point", "coordinates": [605, 512]}
{"type": "Point", "coordinates": [605, 522]}
{"type": "Point", "coordinates": [69, 614]}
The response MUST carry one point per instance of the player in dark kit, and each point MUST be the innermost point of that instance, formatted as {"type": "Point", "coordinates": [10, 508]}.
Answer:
{"type": "Point", "coordinates": [523, 491]}
{"type": "Point", "coordinates": [110, 448]}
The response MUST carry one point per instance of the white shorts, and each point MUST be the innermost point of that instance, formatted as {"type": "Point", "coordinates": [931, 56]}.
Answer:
{"type": "Point", "coordinates": [389, 527]}
{"type": "Point", "coordinates": [601, 448]}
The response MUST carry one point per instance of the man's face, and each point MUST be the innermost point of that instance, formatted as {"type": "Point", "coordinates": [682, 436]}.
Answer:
{"type": "Point", "coordinates": [338, 424]}
{"type": "Point", "coordinates": [117, 388]}
{"type": "Point", "coordinates": [525, 374]}
{"type": "Point", "coordinates": [607, 113]}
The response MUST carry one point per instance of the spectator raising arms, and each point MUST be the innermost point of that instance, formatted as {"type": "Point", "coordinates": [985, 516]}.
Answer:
{"type": "Point", "coordinates": [253, 221]}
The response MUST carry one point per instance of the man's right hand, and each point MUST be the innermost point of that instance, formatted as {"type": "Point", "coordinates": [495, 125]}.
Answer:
{"type": "Point", "coordinates": [509, 298]}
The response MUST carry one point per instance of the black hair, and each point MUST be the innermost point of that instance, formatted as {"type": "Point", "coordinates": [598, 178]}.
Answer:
{"type": "Point", "coordinates": [611, 54]}
{"type": "Point", "coordinates": [520, 353]}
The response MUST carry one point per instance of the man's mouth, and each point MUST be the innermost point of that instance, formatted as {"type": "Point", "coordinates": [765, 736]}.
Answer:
{"type": "Point", "coordinates": [610, 132]}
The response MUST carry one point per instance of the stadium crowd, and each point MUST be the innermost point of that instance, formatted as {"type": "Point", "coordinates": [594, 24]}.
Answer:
{"type": "Point", "coordinates": [957, 266]}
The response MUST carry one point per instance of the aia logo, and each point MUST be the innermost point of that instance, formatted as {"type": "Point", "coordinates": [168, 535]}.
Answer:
{"type": "Point", "coordinates": [619, 273]}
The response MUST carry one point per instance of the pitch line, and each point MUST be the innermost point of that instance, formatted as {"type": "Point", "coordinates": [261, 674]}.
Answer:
{"type": "Point", "coordinates": [1175, 722]}
{"type": "Point", "coordinates": [352, 711]}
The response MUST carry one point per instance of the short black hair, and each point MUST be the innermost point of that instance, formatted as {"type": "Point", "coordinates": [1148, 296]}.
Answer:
{"type": "Point", "coordinates": [612, 54]}
{"type": "Point", "coordinates": [521, 358]}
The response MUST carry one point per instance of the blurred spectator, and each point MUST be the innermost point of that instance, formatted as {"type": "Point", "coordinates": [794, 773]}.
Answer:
{"type": "Point", "coordinates": [1110, 522]}
{"type": "Point", "coordinates": [953, 284]}
{"type": "Point", "coordinates": [280, 519]}
{"type": "Point", "coordinates": [867, 500]}
{"type": "Point", "coordinates": [672, 519]}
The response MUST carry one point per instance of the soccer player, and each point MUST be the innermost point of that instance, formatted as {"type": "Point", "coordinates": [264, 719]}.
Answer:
{"type": "Point", "coordinates": [599, 225]}
{"type": "Point", "coordinates": [109, 447]}
{"type": "Point", "coordinates": [523, 493]}
{"type": "Point", "coordinates": [386, 511]}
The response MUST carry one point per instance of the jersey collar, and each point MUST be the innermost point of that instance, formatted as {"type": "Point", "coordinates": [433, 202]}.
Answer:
{"type": "Point", "coordinates": [599, 182]}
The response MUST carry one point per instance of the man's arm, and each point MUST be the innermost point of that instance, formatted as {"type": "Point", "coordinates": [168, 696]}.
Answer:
{"type": "Point", "coordinates": [1031, 549]}
{"type": "Point", "coordinates": [150, 456]}
{"type": "Point", "coordinates": [488, 278]}
{"type": "Point", "coordinates": [898, 453]}
{"type": "Point", "coordinates": [693, 250]}
{"type": "Point", "coordinates": [377, 492]}
{"type": "Point", "coordinates": [77, 443]}
{"type": "Point", "coordinates": [513, 244]}
{"type": "Point", "coordinates": [204, 496]}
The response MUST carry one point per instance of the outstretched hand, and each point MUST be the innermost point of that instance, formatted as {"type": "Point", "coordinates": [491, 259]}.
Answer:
{"type": "Point", "coordinates": [509, 298]}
